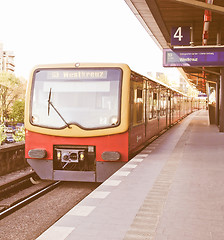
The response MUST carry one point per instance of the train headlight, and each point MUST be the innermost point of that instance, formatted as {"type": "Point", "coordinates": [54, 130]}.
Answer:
{"type": "Point", "coordinates": [81, 156]}
{"type": "Point", "coordinates": [73, 156]}
{"type": "Point", "coordinates": [66, 157]}
{"type": "Point", "coordinates": [37, 153]}
{"type": "Point", "coordinates": [111, 156]}
{"type": "Point", "coordinates": [58, 155]}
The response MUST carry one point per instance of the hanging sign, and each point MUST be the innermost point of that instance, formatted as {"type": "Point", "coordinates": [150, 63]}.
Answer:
{"type": "Point", "coordinates": [180, 36]}
{"type": "Point", "coordinates": [199, 57]}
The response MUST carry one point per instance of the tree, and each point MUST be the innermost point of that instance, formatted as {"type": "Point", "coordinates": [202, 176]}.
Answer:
{"type": "Point", "coordinates": [11, 89]}
{"type": "Point", "coordinates": [2, 133]}
{"type": "Point", "coordinates": [17, 112]}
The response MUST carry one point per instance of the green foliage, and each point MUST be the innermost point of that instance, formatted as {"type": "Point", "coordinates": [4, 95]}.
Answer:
{"type": "Point", "coordinates": [2, 133]}
{"type": "Point", "coordinates": [17, 111]}
{"type": "Point", "coordinates": [12, 89]}
{"type": "Point", "coordinates": [20, 135]}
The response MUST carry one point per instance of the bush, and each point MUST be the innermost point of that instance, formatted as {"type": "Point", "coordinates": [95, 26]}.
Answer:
{"type": "Point", "coordinates": [20, 135]}
{"type": "Point", "coordinates": [2, 133]}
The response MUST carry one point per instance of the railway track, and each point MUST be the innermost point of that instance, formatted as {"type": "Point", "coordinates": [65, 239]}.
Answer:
{"type": "Point", "coordinates": [14, 183]}
{"type": "Point", "coordinates": [23, 202]}
{"type": "Point", "coordinates": [30, 221]}
{"type": "Point", "coordinates": [20, 192]}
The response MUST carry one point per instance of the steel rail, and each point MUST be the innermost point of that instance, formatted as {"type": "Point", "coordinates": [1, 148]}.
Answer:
{"type": "Point", "coordinates": [17, 181]}
{"type": "Point", "coordinates": [27, 200]}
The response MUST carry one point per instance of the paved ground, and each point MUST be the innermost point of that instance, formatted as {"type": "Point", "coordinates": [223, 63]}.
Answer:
{"type": "Point", "coordinates": [173, 190]}
{"type": "Point", "coordinates": [194, 207]}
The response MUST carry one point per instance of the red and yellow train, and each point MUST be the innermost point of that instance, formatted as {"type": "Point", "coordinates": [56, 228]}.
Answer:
{"type": "Point", "coordinates": [84, 121]}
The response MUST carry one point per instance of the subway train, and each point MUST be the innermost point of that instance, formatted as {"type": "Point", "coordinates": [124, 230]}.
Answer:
{"type": "Point", "coordinates": [85, 121]}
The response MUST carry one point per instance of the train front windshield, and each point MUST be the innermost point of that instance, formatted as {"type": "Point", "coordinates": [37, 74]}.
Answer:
{"type": "Point", "coordinates": [89, 98]}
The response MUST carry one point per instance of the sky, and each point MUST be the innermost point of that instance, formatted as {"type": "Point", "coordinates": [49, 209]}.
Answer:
{"type": "Point", "coordinates": [53, 31]}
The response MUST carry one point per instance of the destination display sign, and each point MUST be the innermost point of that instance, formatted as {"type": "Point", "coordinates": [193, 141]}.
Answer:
{"type": "Point", "coordinates": [77, 74]}
{"type": "Point", "coordinates": [199, 57]}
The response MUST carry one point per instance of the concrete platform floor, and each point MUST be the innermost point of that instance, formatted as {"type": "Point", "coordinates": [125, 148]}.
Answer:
{"type": "Point", "coordinates": [172, 190]}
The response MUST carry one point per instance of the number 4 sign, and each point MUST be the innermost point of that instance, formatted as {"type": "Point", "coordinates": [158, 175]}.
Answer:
{"type": "Point", "coordinates": [180, 35]}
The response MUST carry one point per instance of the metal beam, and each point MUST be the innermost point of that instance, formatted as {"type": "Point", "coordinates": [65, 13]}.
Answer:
{"type": "Point", "coordinates": [194, 75]}
{"type": "Point", "coordinates": [202, 5]}
{"type": "Point", "coordinates": [152, 5]}
{"type": "Point", "coordinates": [217, 104]}
{"type": "Point", "coordinates": [206, 70]}
{"type": "Point", "coordinates": [221, 113]}
{"type": "Point", "coordinates": [207, 80]}
{"type": "Point", "coordinates": [141, 10]}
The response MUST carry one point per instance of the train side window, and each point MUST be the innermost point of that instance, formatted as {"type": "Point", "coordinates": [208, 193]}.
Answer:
{"type": "Point", "coordinates": [139, 105]}
{"type": "Point", "coordinates": [150, 105]}
{"type": "Point", "coordinates": [139, 93]}
{"type": "Point", "coordinates": [163, 105]}
{"type": "Point", "coordinates": [154, 110]}
{"type": "Point", "coordinates": [175, 103]}
{"type": "Point", "coordinates": [132, 107]}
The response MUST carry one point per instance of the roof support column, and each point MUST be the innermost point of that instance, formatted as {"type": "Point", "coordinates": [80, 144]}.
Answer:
{"type": "Point", "coordinates": [221, 116]}
{"type": "Point", "coordinates": [217, 103]}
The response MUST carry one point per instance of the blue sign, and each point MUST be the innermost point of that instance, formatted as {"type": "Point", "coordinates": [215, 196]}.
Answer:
{"type": "Point", "coordinates": [180, 36]}
{"type": "Point", "coordinates": [197, 57]}
{"type": "Point", "coordinates": [204, 95]}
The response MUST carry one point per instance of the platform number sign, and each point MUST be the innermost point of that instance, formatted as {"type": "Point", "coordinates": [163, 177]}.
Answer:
{"type": "Point", "coordinates": [180, 36]}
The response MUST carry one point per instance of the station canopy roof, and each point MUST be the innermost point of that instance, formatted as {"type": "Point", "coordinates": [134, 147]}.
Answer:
{"type": "Point", "coordinates": [205, 19]}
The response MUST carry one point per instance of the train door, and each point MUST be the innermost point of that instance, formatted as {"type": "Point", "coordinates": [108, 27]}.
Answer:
{"type": "Point", "coordinates": [175, 107]}
{"type": "Point", "coordinates": [181, 106]}
{"type": "Point", "coordinates": [152, 110]}
{"type": "Point", "coordinates": [137, 112]}
{"type": "Point", "coordinates": [172, 108]}
{"type": "Point", "coordinates": [168, 109]}
{"type": "Point", "coordinates": [158, 105]}
{"type": "Point", "coordinates": [162, 108]}
{"type": "Point", "coordinates": [185, 105]}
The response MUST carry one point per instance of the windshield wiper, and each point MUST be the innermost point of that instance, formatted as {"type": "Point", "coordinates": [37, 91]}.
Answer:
{"type": "Point", "coordinates": [51, 104]}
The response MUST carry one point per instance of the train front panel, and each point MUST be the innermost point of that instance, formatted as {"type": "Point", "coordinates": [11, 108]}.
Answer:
{"type": "Point", "coordinates": [77, 121]}
{"type": "Point", "coordinates": [76, 159]}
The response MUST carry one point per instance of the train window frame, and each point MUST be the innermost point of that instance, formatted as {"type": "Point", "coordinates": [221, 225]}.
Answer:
{"type": "Point", "coordinates": [139, 93]}
{"type": "Point", "coordinates": [139, 101]}
{"type": "Point", "coordinates": [163, 102]}
{"type": "Point", "coordinates": [74, 123]}
{"type": "Point", "coordinates": [150, 103]}
{"type": "Point", "coordinates": [155, 103]}
{"type": "Point", "coordinates": [152, 100]}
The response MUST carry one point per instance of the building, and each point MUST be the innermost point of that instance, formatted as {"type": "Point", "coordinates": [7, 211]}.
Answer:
{"type": "Point", "coordinates": [6, 60]}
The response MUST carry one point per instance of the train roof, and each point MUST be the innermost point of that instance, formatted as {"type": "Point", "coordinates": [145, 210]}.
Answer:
{"type": "Point", "coordinates": [161, 83]}
{"type": "Point", "coordinates": [80, 64]}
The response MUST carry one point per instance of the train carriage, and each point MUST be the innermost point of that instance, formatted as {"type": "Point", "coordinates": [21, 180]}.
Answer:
{"type": "Point", "coordinates": [84, 121]}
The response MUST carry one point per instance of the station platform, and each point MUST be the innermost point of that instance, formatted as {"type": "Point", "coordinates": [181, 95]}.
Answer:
{"type": "Point", "coordinates": [172, 190]}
